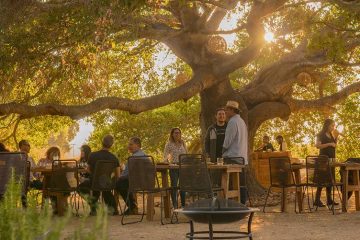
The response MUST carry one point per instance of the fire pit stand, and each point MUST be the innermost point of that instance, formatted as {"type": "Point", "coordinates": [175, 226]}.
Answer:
{"type": "Point", "coordinates": [217, 211]}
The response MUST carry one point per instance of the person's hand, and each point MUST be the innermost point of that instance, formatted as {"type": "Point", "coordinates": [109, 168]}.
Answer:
{"type": "Point", "coordinates": [332, 144]}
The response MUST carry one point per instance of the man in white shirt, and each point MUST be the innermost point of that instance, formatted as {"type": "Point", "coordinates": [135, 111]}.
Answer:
{"type": "Point", "coordinates": [236, 134]}
{"type": "Point", "coordinates": [236, 140]}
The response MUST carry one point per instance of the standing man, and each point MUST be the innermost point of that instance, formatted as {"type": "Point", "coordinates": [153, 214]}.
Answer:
{"type": "Point", "coordinates": [215, 136]}
{"type": "Point", "coordinates": [85, 187]}
{"type": "Point", "coordinates": [122, 185]}
{"type": "Point", "coordinates": [236, 139]}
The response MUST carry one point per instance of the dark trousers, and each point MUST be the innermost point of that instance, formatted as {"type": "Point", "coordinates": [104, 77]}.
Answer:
{"type": "Point", "coordinates": [243, 188]}
{"type": "Point", "coordinates": [85, 188]}
{"type": "Point", "coordinates": [328, 194]}
{"type": "Point", "coordinates": [36, 184]}
{"type": "Point", "coordinates": [174, 179]}
{"type": "Point", "coordinates": [122, 187]}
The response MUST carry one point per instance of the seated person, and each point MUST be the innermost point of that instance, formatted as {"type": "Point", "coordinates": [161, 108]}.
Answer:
{"type": "Point", "coordinates": [122, 185]}
{"type": "Point", "coordinates": [85, 152]}
{"type": "Point", "coordinates": [3, 148]}
{"type": "Point", "coordinates": [266, 146]}
{"type": "Point", "coordinates": [85, 187]}
{"type": "Point", "coordinates": [35, 183]}
{"type": "Point", "coordinates": [282, 143]}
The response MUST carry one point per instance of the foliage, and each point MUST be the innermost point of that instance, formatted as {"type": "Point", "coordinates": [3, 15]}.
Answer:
{"type": "Point", "coordinates": [38, 223]}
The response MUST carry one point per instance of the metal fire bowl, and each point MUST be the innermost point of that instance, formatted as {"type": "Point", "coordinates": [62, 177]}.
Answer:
{"type": "Point", "coordinates": [216, 210]}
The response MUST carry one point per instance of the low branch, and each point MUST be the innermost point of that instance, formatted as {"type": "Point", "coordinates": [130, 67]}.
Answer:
{"type": "Point", "coordinates": [199, 82]}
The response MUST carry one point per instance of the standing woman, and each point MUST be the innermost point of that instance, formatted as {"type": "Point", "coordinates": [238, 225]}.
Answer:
{"type": "Point", "coordinates": [326, 143]}
{"type": "Point", "coordinates": [173, 148]}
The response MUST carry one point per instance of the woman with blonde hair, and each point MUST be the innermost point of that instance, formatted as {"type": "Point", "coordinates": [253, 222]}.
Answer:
{"type": "Point", "coordinates": [173, 148]}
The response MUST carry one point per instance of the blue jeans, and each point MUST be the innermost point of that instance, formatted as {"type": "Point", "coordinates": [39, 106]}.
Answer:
{"type": "Point", "coordinates": [174, 178]}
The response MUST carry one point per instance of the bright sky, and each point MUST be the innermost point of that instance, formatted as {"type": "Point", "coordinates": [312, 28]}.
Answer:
{"type": "Point", "coordinates": [81, 138]}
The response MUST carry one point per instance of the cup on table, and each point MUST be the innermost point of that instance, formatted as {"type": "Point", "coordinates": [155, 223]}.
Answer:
{"type": "Point", "coordinates": [220, 161]}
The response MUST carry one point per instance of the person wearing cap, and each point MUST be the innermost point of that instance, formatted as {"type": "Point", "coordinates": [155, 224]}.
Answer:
{"type": "Point", "coordinates": [236, 139]}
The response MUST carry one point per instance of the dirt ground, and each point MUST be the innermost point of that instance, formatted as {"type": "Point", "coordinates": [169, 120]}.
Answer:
{"type": "Point", "coordinates": [320, 225]}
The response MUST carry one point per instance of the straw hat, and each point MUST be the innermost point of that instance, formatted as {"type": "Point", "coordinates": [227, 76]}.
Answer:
{"type": "Point", "coordinates": [233, 104]}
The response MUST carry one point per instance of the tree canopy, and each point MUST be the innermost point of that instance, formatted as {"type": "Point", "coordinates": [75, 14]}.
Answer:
{"type": "Point", "coordinates": [78, 57]}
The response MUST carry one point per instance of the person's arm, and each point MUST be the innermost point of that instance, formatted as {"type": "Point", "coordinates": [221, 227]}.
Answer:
{"type": "Point", "coordinates": [320, 145]}
{"type": "Point", "coordinates": [230, 133]}
{"type": "Point", "coordinates": [117, 172]}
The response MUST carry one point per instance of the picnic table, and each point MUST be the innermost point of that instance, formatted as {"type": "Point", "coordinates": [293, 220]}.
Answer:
{"type": "Point", "coordinates": [230, 172]}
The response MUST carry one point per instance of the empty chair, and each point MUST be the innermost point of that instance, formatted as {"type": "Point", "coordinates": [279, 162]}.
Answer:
{"type": "Point", "coordinates": [143, 180]}
{"type": "Point", "coordinates": [281, 176]}
{"type": "Point", "coordinates": [320, 174]}
{"type": "Point", "coordinates": [17, 162]}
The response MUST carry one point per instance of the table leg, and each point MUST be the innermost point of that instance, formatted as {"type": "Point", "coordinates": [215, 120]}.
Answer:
{"type": "Point", "coordinates": [345, 180]}
{"type": "Point", "coordinates": [166, 197]}
{"type": "Point", "coordinates": [225, 183]}
{"type": "Point", "coordinates": [283, 200]}
{"type": "Point", "coordinates": [299, 193]}
{"type": "Point", "coordinates": [150, 207]}
{"type": "Point", "coordinates": [357, 195]}
{"type": "Point", "coordinates": [235, 178]}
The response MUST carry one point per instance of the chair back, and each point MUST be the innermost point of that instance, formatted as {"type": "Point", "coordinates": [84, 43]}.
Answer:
{"type": "Point", "coordinates": [318, 171]}
{"type": "Point", "coordinates": [353, 160]}
{"type": "Point", "coordinates": [9, 161]}
{"type": "Point", "coordinates": [193, 174]}
{"type": "Point", "coordinates": [281, 174]}
{"type": "Point", "coordinates": [234, 160]}
{"type": "Point", "coordinates": [102, 178]}
{"type": "Point", "coordinates": [142, 174]}
{"type": "Point", "coordinates": [64, 176]}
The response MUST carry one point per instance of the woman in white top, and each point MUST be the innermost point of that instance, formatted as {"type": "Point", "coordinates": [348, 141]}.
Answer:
{"type": "Point", "coordinates": [173, 148]}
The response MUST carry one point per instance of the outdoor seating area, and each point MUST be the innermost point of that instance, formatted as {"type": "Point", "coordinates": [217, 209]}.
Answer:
{"type": "Point", "coordinates": [179, 119]}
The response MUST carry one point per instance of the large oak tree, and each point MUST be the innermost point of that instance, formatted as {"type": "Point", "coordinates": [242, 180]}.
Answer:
{"type": "Point", "coordinates": [66, 57]}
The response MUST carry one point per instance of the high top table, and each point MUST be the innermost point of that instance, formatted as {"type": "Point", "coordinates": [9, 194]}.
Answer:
{"type": "Point", "coordinates": [229, 171]}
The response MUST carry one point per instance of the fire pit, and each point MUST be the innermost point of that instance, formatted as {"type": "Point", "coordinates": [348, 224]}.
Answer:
{"type": "Point", "coordinates": [212, 211]}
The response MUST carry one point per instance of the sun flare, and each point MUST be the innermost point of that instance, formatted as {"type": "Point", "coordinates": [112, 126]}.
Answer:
{"type": "Point", "coordinates": [269, 37]}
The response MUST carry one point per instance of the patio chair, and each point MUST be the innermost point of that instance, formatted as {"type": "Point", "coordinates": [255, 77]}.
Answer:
{"type": "Point", "coordinates": [319, 173]}
{"type": "Point", "coordinates": [64, 181]}
{"type": "Point", "coordinates": [103, 179]}
{"type": "Point", "coordinates": [281, 176]}
{"type": "Point", "coordinates": [243, 180]}
{"type": "Point", "coordinates": [17, 162]}
{"type": "Point", "coordinates": [143, 180]}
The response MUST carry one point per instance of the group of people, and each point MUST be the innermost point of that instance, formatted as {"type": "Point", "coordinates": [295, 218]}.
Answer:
{"type": "Point", "coordinates": [226, 138]}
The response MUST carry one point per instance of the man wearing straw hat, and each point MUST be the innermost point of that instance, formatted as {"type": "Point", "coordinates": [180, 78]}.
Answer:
{"type": "Point", "coordinates": [236, 139]}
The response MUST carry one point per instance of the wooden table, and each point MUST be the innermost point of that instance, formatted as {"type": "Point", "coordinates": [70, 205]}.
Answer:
{"type": "Point", "coordinates": [354, 168]}
{"type": "Point", "coordinates": [61, 198]}
{"type": "Point", "coordinates": [229, 171]}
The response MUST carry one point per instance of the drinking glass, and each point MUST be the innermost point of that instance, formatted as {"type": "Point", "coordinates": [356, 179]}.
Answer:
{"type": "Point", "coordinates": [220, 161]}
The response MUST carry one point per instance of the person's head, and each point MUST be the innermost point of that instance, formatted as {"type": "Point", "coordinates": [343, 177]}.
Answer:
{"type": "Point", "coordinates": [231, 109]}
{"type": "Point", "coordinates": [134, 144]}
{"type": "Point", "coordinates": [175, 135]}
{"type": "Point", "coordinates": [3, 148]}
{"type": "Point", "coordinates": [266, 139]}
{"type": "Point", "coordinates": [328, 126]}
{"type": "Point", "coordinates": [220, 115]}
{"type": "Point", "coordinates": [108, 141]}
{"type": "Point", "coordinates": [279, 139]}
{"type": "Point", "coordinates": [51, 152]}
{"type": "Point", "coordinates": [85, 151]}
{"type": "Point", "coordinates": [24, 146]}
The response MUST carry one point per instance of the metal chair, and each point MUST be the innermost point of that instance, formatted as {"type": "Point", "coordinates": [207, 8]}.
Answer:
{"type": "Point", "coordinates": [17, 162]}
{"type": "Point", "coordinates": [240, 161]}
{"type": "Point", "coordinates": [281, 176]}
{"type": "Point", "coordinates": [319, 173]}
{"type": "Point", "coordinates": [103, 178]}
{"type": "Point", "coordinates": [143, 179]}
{"type": "Point", "coordinates": [64, 180]}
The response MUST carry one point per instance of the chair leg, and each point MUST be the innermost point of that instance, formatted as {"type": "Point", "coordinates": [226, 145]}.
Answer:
{"type": "Point", "coordinates": [333, 200]}
{"type": "Point", "coordinates": [296, 189]}
{"type": "Point", "coordinates": [267, 195]}
{"type": "Point", "coordinates": [211, 233]}
{"type": "Point", "coordinates": [249, 225]}
{"type": "Point", "coordinates": [191, 230]}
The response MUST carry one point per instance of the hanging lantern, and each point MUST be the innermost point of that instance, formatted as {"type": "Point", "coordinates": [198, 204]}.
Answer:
{"type": "Point", "coordinates": [181, 78]}
{"type": "Point", "coordinates": [216, 45]}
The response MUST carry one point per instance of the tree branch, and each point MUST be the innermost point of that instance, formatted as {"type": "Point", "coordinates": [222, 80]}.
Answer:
{"type": "Point", "coordinates": [324, 103]}
{"type": "Point", "coordinates": [199, 82]}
